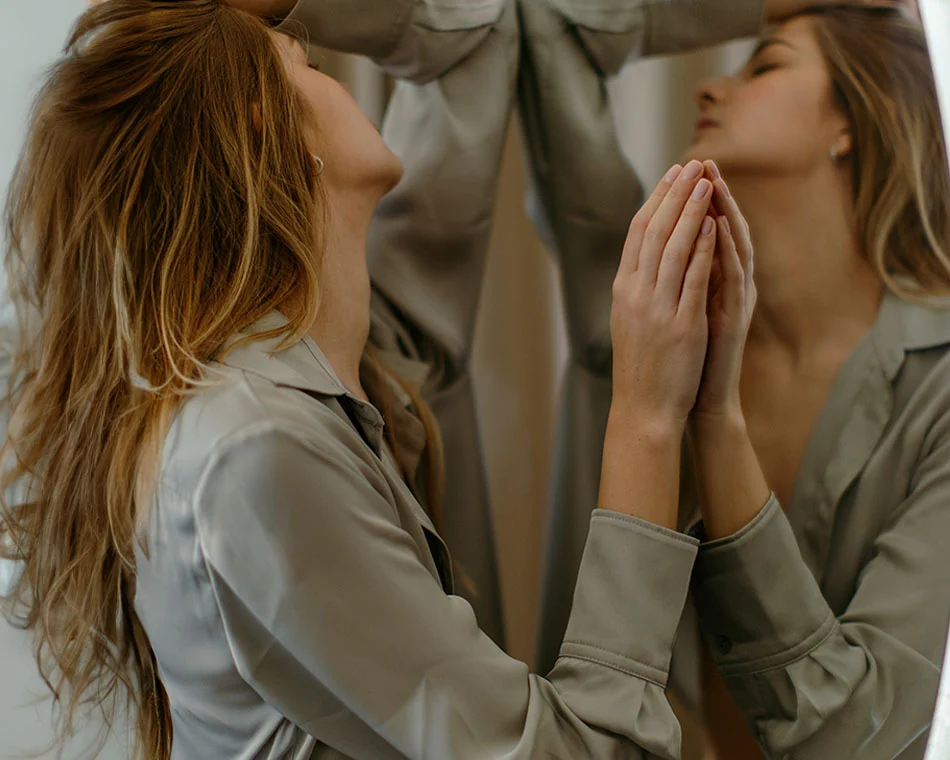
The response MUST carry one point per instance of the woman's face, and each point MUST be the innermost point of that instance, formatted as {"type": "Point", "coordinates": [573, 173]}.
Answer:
{"type": "Point", "coordinates": [354, 155]}
{"type": "Point", "coordinates": [778, 115]}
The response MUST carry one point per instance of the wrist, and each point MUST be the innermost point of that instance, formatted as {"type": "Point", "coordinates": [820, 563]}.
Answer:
{"type": "Point", "coordinates": [718, 425]}
{"type": "Point", "coordinates": [640, 469]}
{"type": "Point", "coordinates": [651, 425]}
{"type": "Point", "coordinates": [730, 478]}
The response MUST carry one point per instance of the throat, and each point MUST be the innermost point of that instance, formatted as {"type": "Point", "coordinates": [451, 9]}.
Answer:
{"type": "Point", "coordinates": [782, 403]}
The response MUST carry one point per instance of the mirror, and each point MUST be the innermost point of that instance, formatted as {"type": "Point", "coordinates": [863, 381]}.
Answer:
{"type": "Point", "coordinates": [935, 15]}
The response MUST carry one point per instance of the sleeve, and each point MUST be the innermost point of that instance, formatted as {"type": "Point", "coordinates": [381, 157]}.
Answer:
{"type": "Point", "coordinates": [616, 31]}
{"type": "Point", "coordinates": [332, 618]}
{"type": "Point", "coordinates": [860, 686]}
{"type": "Point", "coordinates": [678, 26]}
{"type": "Point", "coordinates": [418, 40]}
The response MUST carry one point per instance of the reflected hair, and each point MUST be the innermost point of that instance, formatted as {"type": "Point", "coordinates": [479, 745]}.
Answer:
{"type": "Point", "coordinates": [164, 201]}
{"type": "Point", "coordinates": [884, 82]}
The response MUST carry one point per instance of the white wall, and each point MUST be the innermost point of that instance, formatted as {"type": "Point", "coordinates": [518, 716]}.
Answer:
{"type": "Point", "coordinates": [936, 16]}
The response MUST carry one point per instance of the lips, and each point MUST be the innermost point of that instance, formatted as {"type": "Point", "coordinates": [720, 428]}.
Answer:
{"type": "Point", "coordinates": [704, 122]}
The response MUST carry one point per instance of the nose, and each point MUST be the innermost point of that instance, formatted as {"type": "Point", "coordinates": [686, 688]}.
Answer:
{"type": "Point", "coordinates": [710, 92]}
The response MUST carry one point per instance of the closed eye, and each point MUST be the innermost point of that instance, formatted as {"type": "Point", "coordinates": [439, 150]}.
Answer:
{"type": "Point", "coordinates": [764, 69]}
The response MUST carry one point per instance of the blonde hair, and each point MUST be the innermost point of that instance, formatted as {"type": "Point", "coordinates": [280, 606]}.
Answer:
{"type": "Point", "coordinates": [883, 80]}
{"type": "Point", "coordinates": [150, 218]}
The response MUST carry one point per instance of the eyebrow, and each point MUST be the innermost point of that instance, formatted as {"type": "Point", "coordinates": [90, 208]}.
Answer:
{"type": "Point", "coordinates": [772, 42]}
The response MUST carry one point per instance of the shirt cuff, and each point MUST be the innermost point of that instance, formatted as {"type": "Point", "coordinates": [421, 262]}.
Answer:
{"type": "Point", "coordinates": [630, 593]}
{"type": "Point", "coordinates": [758, 603]}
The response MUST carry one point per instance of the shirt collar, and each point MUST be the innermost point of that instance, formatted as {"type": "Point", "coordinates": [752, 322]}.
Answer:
{"type": "Point", "coordinates": [302, 365]}
{"type": "Point", "coordinates": [904, 327]}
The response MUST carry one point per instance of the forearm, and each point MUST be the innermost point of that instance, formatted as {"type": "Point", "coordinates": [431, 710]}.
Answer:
{"type": "Point", "coordinates": [733, 487]}
{"type": "Point", "coordinates": [776, 10]}
{"type": "Point", "coordinates": [641, 467]}
{"type": "Point", "coordinates": [267, 8]}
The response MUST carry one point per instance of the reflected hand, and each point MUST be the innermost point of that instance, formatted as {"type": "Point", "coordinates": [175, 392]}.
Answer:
{"type": "Point", "coordinates": [729, 309]}
{"type": "Point", "coordinates": [658, 321]}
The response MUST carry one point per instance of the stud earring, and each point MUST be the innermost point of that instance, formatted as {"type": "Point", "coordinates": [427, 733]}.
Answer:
{"type": "Point", "coordinates": [835, 153]}
{"type": "Point", "coordinates": [319, 162]}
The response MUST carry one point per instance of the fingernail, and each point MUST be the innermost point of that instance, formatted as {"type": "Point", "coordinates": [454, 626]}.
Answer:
{"type": "Point", "coordinates": [693, 170]}
{"type": "Point", "coordinates": [714, 170]}
{"type": "Point", "coordinates": [726, 225]}
{"type": "Point", "coordinates": [707, 225]}
{"type": "Point", "coordinates": [725, 188]}
{"type": "Point", "coordinates": [673, 173]}
{"type": "Point", "coordinates": [702, 189]}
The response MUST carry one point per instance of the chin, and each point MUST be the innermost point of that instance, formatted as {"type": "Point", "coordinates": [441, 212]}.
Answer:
{"type": "Point", "coordinates": [710, 144]}
{"type": "Point", "coordinates": [699, 150]}
{"type": "Point", "coordinates": [391, 171]}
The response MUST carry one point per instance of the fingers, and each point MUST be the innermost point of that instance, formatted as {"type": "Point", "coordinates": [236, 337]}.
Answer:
{"type": "Point", "coordinates": [676, 256]}
{"type": "Point", "coordinates": [725, 205]}
{"type": "Point", "coordinates": [665, 219]}
{"type": "Point", "coordinates": [733, 275]}
{"type": "Point", "coordinates": [631, 249]}
{"type": "Point", "coordinates": [695, 291]}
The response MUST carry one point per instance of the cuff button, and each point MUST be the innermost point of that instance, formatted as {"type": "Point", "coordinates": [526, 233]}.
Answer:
{"type": "Point", "coordinates": [723, 645]}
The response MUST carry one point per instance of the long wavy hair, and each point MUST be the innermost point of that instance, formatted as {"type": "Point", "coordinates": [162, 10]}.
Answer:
{"type": "Point", "coordinates": [883, 81]}
{"type": "Point", "coordinates": [164, 201]}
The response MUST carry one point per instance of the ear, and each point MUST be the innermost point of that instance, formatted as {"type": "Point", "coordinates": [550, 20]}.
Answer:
{"type": "Point", "coordinates": [843, 144]}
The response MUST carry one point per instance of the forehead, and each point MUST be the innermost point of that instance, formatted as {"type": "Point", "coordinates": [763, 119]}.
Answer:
{"type": "Point", "coordinates": [796, 34]}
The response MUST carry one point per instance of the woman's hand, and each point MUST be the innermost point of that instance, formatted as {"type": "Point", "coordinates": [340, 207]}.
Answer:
{"type": "Point", "coordinates": [730, 478]}
{"type": "Point", "coordinates": [659, 335]}
{"type": "Point", "coordinates": [729, 308]}
{"type": "Point", "coordinates": [658, 322]}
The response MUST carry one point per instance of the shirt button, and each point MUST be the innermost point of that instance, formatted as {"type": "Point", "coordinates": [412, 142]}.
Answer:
{"type": "Point", "coordinates": [723, 645]}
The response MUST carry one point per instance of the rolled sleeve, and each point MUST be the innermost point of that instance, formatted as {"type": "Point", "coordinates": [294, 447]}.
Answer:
{"type": "Point", "coordinates": [676, 26]}
{"type": "Point", "coordinates": [362, 27]}
{"type": "Point", "coordinates": [417, 40]}
{"type": "Point", "coordinates": [615, 31]}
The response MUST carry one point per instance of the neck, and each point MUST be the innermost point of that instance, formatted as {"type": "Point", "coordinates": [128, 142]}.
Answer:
{"type": "Point", "coordinates": [342, 325]}
{"type": "Point", "coordinates": [809, 270]}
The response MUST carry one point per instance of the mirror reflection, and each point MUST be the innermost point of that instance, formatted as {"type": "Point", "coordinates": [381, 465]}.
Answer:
{"type": "Point", "coordinates": [317, 445]}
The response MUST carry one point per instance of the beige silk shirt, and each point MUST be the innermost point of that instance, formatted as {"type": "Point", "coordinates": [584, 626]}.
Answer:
{"type": "Point", "coordinates": [830, 625]}
{"type": "Point", "coordinates": [463, 66]}
{"type": "Point", "coordinates": [300, 605]}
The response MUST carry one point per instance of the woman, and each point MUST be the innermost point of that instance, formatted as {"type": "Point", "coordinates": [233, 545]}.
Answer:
{"type": "Point", "coordinates": [211, 516]}
{"type": "Point", "coordinates": [830, 140]}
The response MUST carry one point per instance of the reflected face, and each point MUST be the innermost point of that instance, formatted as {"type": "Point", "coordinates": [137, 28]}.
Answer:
{"type": "Point", "coordinates": [778, 114]}
{"type": "Point", "coordinates": [353, 152]}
